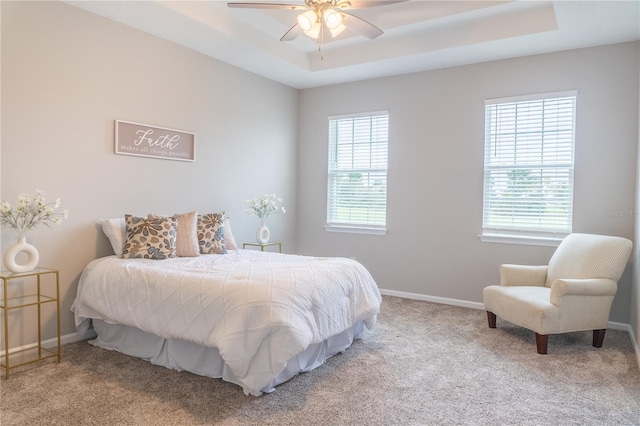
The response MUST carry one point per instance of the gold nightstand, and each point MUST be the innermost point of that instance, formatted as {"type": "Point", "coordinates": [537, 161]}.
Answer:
{"type": "Point", "coordinates": [39, 298]}
{"type": "Point", "coordinates": [263, 245]}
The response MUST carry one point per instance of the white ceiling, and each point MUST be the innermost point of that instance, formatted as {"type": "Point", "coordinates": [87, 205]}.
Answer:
{"type": "Point", "coordinates": [418, 34]}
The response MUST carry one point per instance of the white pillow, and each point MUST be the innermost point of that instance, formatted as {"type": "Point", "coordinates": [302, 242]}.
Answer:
{"type": "Point", "coordinates": [115, 230]}
{"type": "Point", "coordinates": [229, 240]}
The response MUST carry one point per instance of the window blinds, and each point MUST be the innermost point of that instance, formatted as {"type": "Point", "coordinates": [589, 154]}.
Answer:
{"type": "Point", "coordinates": [528, 165]}
{"type": "Point", "coordinates": [357, 172]}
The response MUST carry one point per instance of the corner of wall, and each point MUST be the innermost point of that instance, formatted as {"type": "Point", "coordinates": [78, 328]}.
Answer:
{"type": "Point", "coordinates": [634, 319]}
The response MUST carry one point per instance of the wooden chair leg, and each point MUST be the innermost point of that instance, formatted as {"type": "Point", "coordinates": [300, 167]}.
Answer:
{"type": "Point", "coordinates": [492, 319]}
{"type": "Point", "coordinates": [598, 337]}
{"type": "Point", "coordinates": [542, 341]}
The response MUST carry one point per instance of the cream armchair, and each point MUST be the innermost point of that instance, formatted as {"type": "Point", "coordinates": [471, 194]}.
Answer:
{"type": "Point", "coordinates": [573, 293]}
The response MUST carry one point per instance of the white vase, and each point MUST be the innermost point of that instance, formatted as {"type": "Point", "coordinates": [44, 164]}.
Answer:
{"type": "Point", "coordinates": [263, 233]}
{"type": "Point", "coordinates": [12, 252]}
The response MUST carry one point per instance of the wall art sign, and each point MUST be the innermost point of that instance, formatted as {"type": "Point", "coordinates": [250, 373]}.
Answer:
{"type": "Point", "coordinates": [150, 141]}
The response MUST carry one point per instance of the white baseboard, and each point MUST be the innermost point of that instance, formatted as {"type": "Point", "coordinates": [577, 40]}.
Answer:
{"type": "Point", "coordinates": [51, 343]}
{"type": "Point", "coordinates": [620, 326]}
{"type": "Point", "coordinates": [474, 305]}
{"type": "Point", "coordinates": [434, 299]}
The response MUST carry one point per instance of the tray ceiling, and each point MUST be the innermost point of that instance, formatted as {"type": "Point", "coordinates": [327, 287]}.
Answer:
{"type": "Point", "coordinates": [418, 35]}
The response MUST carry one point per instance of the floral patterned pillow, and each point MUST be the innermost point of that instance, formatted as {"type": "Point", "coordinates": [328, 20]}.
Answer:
{"type": "Point", "coordinates": [211, 233]}
{"type": "Point", "coordinates": [150, 238]}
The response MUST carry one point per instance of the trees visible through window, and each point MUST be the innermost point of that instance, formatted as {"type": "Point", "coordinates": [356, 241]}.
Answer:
{"type": "Point", "coordinates": [357, 172]}
{"type": "Point", "coordinates": [528, 165]}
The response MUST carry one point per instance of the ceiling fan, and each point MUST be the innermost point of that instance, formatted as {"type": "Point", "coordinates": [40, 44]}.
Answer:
{"type": "Point", "coordinates": [324, 20]}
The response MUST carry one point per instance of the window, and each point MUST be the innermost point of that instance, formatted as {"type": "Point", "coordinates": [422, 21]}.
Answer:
{"type": "Point", "coordinates": [357, 173]}
{"type": "Point", "coordinates": [528, 166]}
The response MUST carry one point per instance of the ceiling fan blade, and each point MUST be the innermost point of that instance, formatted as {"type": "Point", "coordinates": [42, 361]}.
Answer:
{"type": "Point", "coordinates": [360, 4]}
{"type": "Point", "coordinates": [360, 26]}
{"type": "Point", "coordinates": [293, 33]}
{"type": "Point", "coordinates": [268, 6]}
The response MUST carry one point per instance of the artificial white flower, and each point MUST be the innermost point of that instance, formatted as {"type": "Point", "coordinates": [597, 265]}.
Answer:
{"type": "Point", "coordinates": [264, 206]}
{"type": "Point", "coordinates": [31, 212]}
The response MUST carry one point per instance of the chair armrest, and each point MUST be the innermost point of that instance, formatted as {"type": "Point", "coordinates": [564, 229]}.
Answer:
{"type": "Point", "coordinates": [581, 287]}
{"type": "Point", "coordinates": [523, 275]}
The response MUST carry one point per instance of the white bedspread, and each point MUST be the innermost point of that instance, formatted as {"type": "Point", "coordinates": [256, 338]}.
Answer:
{"type": "Point", "coordinates": [259, 309]}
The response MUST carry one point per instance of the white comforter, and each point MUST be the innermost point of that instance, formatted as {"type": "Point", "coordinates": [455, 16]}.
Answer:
{"type": "Point", "coordinates": [259, 309]}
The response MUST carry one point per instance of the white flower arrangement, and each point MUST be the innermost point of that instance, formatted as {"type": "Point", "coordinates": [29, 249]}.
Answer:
{"type": "Point", "coordinates": [31, 212]}
{"type": "Point", "coordinates": [264, 206]}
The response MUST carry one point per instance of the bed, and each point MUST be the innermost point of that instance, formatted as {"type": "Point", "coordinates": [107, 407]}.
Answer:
{"type": "Point", "coordinates": [252, 318]}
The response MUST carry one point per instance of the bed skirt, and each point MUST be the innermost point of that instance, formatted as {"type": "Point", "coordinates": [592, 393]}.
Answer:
{"type": "Point", "coordinates": [186, 356]}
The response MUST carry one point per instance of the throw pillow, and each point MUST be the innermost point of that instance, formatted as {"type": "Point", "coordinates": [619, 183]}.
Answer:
{"type": "Point", "coordinates": [150, 238]}
{"type": "Point", "coordinates": [211, 233]}
{"type": "Point", "coordinates": [186, 234]}
{"type": "Point", "coordinates": [229, 239]}
{"type": "Point", "coordinates": [115, 231]}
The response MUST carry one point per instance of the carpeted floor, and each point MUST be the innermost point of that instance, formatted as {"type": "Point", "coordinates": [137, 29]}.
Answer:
{"type": "Point", "coordinates": [423, 364]}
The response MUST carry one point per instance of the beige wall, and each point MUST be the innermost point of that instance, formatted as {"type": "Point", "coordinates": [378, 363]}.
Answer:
{"type": "Point", "coordinates": [68, 74]}
{"type": "Point", "coordinates": [436, 126]}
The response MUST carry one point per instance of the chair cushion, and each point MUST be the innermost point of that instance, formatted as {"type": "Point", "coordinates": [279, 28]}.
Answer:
{"type": "Point", "coordinates": [526, 306]}
{"type": "Point", "coordinates": [531, 307]}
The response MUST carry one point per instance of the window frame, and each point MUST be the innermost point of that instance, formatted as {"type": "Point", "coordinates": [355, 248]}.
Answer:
{"type": "Point", "coordinates": [363, 227]}
{"type": "Point", "coordinates": [543, 237]}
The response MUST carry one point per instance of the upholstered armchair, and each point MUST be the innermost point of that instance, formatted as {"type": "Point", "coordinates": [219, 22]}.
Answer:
{"type": "Point", "coordinates": [574, 292]}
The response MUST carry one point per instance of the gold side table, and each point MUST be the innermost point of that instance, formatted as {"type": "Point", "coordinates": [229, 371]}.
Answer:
{"type": "Point", "coordinates": [39, 298]}
{"type": "Point", "coordinates": [263, 245]}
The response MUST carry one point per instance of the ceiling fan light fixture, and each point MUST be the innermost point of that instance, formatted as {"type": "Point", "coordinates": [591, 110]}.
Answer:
{"type": "Point", "coordinates": [333, 19]}
{"type": "Point", "coordinates": [307, 20]}
{"type": "Point", "coordinates": [335, 32]}
{"type": "Point", "coordinates": [314, 32]}
{"type": "Point", "coordinates": [322, 17]}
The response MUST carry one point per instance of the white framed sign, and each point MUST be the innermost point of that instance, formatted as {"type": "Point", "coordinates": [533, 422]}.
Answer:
{"type": "Point", "coordinates": [149, 141]}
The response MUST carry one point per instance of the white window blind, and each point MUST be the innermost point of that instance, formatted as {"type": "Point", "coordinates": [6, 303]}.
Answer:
{"type": "Point", "coordinates": [357, 172]}
{"type": "Point", "coordinates": [528, 165]}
